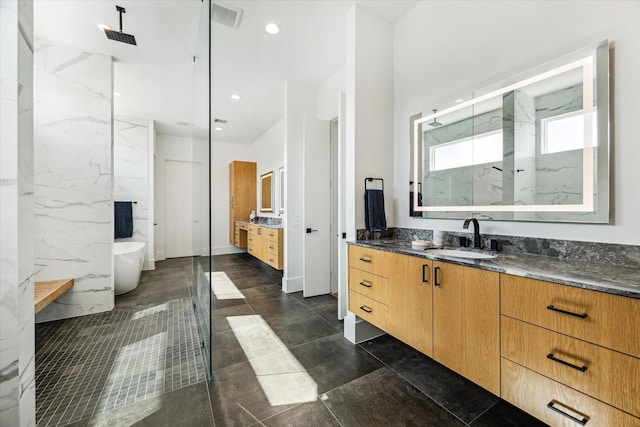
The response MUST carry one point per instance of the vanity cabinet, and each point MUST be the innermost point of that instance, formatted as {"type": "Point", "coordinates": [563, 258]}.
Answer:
{"type": "Point", "coordinates": [410, 301]}
{"type": "Point", "coordinates": [265, 243]}
{"type": "Point", "coordinates": [242, 193]}
{"type": "Point", "coordinates": [369, 284]}
{"type": "Point", "coordinates": [273, 255]}
{"type": "Point", "coordinates": [466, 322]}
{"type": "Point", "coordinates": [570, 354]}
{"type": "Point", "coordinates": [256, 241]}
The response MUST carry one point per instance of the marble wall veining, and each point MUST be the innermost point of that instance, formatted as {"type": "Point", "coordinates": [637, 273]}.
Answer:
{"type": "Point", "coordinates": [17, 349]}
{"type": "Point", "coordinates": [131, 177]}
{"type": "Point", "coordinates": [73, 158]}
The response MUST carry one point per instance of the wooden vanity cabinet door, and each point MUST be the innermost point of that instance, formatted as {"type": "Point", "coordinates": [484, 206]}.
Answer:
{"type": "Point", "coordinates": [466, 322]}
{"type": "Point", "coordinates": [419, 285]}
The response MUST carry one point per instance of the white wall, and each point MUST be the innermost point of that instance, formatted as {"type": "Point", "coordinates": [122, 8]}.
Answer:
{"type": "Point", "coordinates": [176, 148]}
{"type": "Point", "coordinates": [443, 48]}
{"type": "Point", "coordinates": [269, 154]}
{"type": "Point", "coordinates": [131, 148]}
{"type": "Point", "coordinates": [327, 95]}
{"type": "Point", "coordinates": [73, 167]}
{"type": "Point", "coordinates": [17, 348]}
{"type": "Point", "coordinates": [370, 104]}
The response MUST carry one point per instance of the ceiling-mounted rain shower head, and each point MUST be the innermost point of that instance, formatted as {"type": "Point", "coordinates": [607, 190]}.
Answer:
{"type": "Point", "coordinates": [434, 123]}
{"type": "Point", "coordinates": [119, 36]}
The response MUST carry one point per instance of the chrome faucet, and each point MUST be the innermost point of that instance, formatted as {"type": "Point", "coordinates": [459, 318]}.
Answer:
{"type": "Point", "coordinates": [477, 240]}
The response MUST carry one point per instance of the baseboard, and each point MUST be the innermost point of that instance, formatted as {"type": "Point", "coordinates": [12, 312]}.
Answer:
{"type": "Point", "coordinates": [292, 284]}
{"type": "Point", "coordinates": [149, 265]}
{"type": "Point", "coordinates": [226, 249]}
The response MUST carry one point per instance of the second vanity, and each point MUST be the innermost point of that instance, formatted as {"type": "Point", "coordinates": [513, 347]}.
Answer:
{"type": "Point", "coordinates": [558, 339]}
{"type": "Point", "coordinates": [263, 241]}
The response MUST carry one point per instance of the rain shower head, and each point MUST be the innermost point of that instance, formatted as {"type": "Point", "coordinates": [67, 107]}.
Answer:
{"type": "Point", "coordinates": [434, 123]}
{"type": "Point", "coordinates": [119, 36]}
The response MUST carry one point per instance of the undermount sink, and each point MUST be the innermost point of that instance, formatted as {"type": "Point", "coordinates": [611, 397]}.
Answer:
{"type": "Point", "coordinates": [461, 254]}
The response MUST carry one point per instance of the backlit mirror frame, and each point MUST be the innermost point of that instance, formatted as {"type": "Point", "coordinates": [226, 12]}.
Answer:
{"type": "Point", "coordinates": [281, 174]}
{"type": "Point", "coordinates": [594, 62]}
{"type": "Point", "coordinates": [266, 192]}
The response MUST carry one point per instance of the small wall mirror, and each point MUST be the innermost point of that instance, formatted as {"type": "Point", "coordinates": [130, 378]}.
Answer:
{"type": "Point", "coordinates": [266, 192]}
{"type": "Point", "coordinates": [534, 147]}
{"type": "Point", "coordinates": [281, 173]}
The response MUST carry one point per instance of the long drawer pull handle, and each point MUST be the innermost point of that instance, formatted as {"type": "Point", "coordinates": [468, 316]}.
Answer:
{"type": "Point", "coordinates": [435, 276]}
{"type": "Point", "coordinates": [424, 273]}
{"type": "Point", "coordinates": [365, 259]}
{"type": "Point", "coordinates": [559, 310]}
{"type": "Point", "coordinates": [550, 356]}
{"type": "Point", "coordinates": [365, 308]}
{"type": "Point", "coordinates": [551, 406]}
{"type": "Point", "coordinates": [366, 284]}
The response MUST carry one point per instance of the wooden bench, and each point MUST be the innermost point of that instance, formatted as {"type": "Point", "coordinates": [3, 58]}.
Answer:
{"type": "Point", "coordinates": [46, 292]}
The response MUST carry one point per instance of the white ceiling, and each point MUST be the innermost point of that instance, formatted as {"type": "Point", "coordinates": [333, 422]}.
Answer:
{"type": "Point", "coordinates": [155, 77]}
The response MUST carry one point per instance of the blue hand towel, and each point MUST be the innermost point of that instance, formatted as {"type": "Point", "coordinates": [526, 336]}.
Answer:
{"type": "Point", "coordinates": [374, 216]}
{"type": "Point", "coordinates": [123, 219]}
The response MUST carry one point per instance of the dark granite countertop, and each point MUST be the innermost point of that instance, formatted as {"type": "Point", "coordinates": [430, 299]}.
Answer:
{"type": "Point", "coordinates": [613, 279]}
{"type": "Point", "coordinates": [262, 224]}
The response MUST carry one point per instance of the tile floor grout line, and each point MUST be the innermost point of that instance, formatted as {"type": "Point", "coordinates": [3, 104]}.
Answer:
{"type": "Point", "coordinates": [413, 385]}
{"type": "Point", "coordinates": [330, 411]}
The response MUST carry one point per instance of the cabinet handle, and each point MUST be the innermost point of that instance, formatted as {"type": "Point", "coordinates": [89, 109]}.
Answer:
{"type": "Point", "coordinates": [580, 315]}
{"type": "Point", "coordinates": [366, 284]}
{"type": "Point", "coordinates": [424, 273]}
{"type": "Point", "coordinates": [365, 308]}
{"type": "Point", "coordinates": [583, 368]}
{"type": "Point", "coordinates": [270, 259]}
{"type": "Point", "coordinates": [551, 406]}
{"type": "Point", "coordinates": [365, 259]}
{"type": "Point", "coordinates": [436, 282]}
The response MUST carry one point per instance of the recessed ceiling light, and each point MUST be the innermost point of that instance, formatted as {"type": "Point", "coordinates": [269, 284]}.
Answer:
{"type": "Point", "coordinates": [117, 94]}
{"type": "Point", "coordinates": [103, 27]}
{"type": "Point", "coordinates": [272, 28]}
{"type": "Point", "coordinates": [218, 128]}
{"type": "Point", "coordinates": [235, 97]}
{"type": "Point", "coordinates": [459, 100]}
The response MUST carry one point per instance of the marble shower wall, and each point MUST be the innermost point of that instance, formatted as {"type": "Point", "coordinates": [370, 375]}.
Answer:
{"type": "Point", "coordinates": [17, 350]}
{"type": "Point", "coordinates": [73, 160]}
{"type": "Point", "coordinates": [131, 177]}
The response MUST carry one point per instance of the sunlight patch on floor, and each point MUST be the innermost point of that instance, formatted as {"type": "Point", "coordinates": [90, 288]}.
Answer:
{"type": "Point", "coordinates": [149, 311]}
{"type": "Point", "coordinates": [222, 286]}
{"type": "Point", "coordinates": [282, 378]}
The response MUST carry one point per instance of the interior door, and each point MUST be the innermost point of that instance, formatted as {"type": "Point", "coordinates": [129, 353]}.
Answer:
{"type": "Point", "coordinates": [317, 207]}
{"type": "Point", "coordinates": [182, 209]}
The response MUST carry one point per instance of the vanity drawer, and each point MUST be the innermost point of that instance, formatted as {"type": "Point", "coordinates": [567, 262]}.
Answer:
{"type": "Point", "coordinates": [273, 247]}
{"type": "Point", "coordinates": [369, 260]}
{"type": "Point", "coordinates": [274, 261]}
{"type": "Point", "coordinates": [604, 319]}
{"type": "Point", "coordinates": [599, 372]}
{"type": "Point", "coordinates": [369, 285]}
{"type": "Point", "coordinates": [273, 233]}
{"type": "Point", "coordinates": [368, 309]}
{"type": "Point", "coordinates": [554, 403]}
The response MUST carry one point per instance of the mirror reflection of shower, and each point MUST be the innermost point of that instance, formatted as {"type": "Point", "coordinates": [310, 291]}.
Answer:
{"type": "Point", "coordinates": [434, 123]}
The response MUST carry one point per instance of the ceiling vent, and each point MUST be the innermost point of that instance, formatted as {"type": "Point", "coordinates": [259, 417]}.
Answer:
{"type": "Point", "coordinates": [226, 15]}
{"type": "Point", "coordinates": [223, 121]}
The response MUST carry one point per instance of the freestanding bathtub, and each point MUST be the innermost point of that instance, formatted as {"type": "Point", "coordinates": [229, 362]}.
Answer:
{"type": "Point", "coordinates": [128, 260]}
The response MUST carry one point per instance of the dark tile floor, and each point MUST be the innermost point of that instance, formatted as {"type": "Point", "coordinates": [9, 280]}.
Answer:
{"type": "Point", "coordinates": [382, 382]}
{"type": "Point", "coordinates": [282, 360]}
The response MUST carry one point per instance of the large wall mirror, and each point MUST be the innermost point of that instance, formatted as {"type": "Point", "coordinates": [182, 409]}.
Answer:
{"type": "Point", "coordinates": [266, 192]}
{"type": "Point", "coordinates": [532, 148]}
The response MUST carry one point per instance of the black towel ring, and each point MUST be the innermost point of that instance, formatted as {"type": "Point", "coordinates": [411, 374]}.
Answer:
{"type": "Point", "coordinates": [369, 179]}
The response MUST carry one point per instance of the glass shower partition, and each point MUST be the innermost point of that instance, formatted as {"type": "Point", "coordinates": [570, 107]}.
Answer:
{"type": "Point", "coordinates": [201, 200]}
